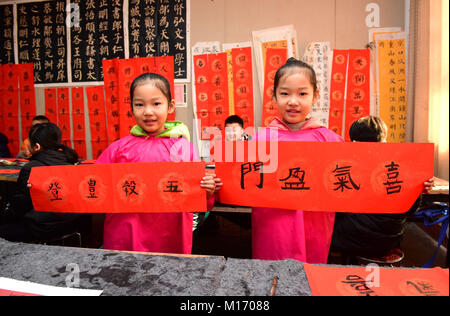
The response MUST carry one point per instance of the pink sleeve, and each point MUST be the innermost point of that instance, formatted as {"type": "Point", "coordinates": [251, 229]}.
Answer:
{"type": "Point", "coordinates": [107, 156]}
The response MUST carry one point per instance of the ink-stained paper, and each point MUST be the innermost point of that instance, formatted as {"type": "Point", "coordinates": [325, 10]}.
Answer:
{"type": "Point", "coordinates": [316, 176]}
{"type": "Point", "coordinates": [337, 91]}
{"type": "Point", "coordinates": [319, 55]}
{"type": "Point", "coordinates": [376, 281]}
{"type": "Point", "coordinates": [392, 83]}
{"type": "Point", "coordinates": [358, 87]}
{"type": "Point", "coordinates": [275, 58]}
{"type": "Point", "coordinates": [158, 187]}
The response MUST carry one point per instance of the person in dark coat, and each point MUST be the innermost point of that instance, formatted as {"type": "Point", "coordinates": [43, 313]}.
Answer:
{"type": "Point", "coordinates": [23, 223]}
{"type": "Point", "coordinates": [4, 150]}
{"type": "Point", "coordinates": [371, 235]}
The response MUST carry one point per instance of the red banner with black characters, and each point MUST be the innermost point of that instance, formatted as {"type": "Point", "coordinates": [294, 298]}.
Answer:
{"type": "Point", "coordinates": [97, 120]}
{"type": "Point", "coordinates": [358, 87]}
{"type": "Point", "coordinates": [27, 96]}
{"type": "Point", "coordinates": [337, 90]}
{"type": "Point", "coordinates": [243, 84]}
{"type": "Point", "coordinates": [79, 129]}
{"type": "Point", "coordinates": [275, 58]}
{"type": "Point", "coordinates": [64, 115]}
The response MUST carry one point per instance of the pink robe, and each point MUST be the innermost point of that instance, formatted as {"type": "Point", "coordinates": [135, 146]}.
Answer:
{"type": "Point", "coordinates": [156, 232]}
{"type": "Point", "coordinates": [279, 234]}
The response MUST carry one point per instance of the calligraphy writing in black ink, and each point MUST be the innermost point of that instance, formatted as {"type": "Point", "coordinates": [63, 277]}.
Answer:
{"type": "Point", "coordinates": [344, 179]}
{"type": "Point", "coordinates": [172, 187]}
{"type": "Point", "coordinates": [54, 188]}
{"type": "Point", "coordinates": [392, 184]}
{"type": "Point", "coordinates": [359, 284]}
{"type": "Point", "coordinates": [423, 288]}
{"type": "Point", "coordinates": [92, 189]}
{"type": "Point", "coordinates": [249, 167]}
{"type": "Point", "coordinates": [129, 187]}
{"type": "Point", "coordinates": [297, 180]}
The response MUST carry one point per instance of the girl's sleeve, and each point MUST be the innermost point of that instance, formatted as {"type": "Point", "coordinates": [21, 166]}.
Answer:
{"type": "Point", "coordinates": [107, 156]}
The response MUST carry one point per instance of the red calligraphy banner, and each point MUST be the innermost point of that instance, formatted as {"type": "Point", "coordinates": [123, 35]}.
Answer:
{"type": "Point", "coordinates": [11, 107]}
{"type": "Point", "coordinates": [2, 99]}
{"type": "Point", "coordinates": [337, 90]}
{"type": "Point", "coordinates": [119, 188]}
{"type": "Point", "coordinates": [128, 71]}
{"type": "Point", "coordinates": [111, 84]}
{"type": "Point", "coordinates": [97, 120]}
{"type": "Point", "coordinates": [27, 96]}
{"type": "Point", "coordinates": [165, 67]}
{"type": "Point", "coordinates": [337, 177]}
{"type": "Point", "coordinates": [243, 84]}
{"type": "Point", "coordinates": [218, 82]}
{"type": "Point", "coordinates": [79, 129]}
{"type": "Point", "coordinates": [64, 115]}
{"type": "Point", "coordinates": [275, 58]}
{"type": "Point", "coordinates": [51, 105]}
{"type": "Point", "coordinates": [202, 93]}
{"type": "Point", "coordinates": [358, 87]}
{"type": "Point", "coordinates": [376, 281]}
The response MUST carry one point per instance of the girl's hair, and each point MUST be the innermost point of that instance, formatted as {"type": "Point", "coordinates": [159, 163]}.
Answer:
{"type": "Point", "coordinates": [48, 135]}
{"type": "Point", "coordinates": [159, 81]}
{"type": "Point", "coordinates": [368, 129]}
{"type": "Point", "coordinates": [294, 65]}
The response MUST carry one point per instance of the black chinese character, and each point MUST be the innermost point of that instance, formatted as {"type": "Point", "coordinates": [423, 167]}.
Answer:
{"type": "Point", "coordinates": [249, 167]}
{"type": "Point", "coordinates": [344, 179]}
{"type": "Point", "coordinates": [298, 181]}
{"type": "Point", "coordinates": [172, 187]}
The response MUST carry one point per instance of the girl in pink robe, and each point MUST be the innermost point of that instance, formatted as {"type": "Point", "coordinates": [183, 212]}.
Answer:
{"type": "Point", "coordinates": [152, 140]}
{"type": "Point", "coordinates": [281, 234]}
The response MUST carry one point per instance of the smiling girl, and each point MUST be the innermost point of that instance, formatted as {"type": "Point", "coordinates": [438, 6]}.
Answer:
{"type": "Point", "coordinates": [153, 139]}
{"type": "Point", "coordinates": [280, 234]}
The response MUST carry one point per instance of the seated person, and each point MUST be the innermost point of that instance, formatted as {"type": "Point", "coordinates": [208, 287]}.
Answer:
{"type": "Point", "coordinates": [24, 149]}
{"type": "Point", "coordinates": [23, 223]}
{"type": "Point", "coordinates": [234, 129]}
{"type": "Point", "coordinates": [4, 150]}
{"type": "Point", "coordinates": [371, 235]}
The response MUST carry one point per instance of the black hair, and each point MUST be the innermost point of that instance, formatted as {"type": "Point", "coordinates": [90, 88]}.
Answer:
{"type": "Point", "coordinates": [159, 81]}
{"type": "Point", "coordinates": [234, 119]}
{"type": "Point", "coordinates": [368, 129]}
{"type": "Point", "coordinates": [291, 64]}
{"type": "Point", "coordinates": [48, 136]}
{"type": "Point", "coordinates": [42, 118]}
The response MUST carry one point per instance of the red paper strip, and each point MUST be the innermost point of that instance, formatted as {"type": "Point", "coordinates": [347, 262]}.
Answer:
{"type": "Point", "coordinates": [51, 107]}
{"type": "Point", "coordinates": [339, 177]}
{"type": "Point", "coordinates": [337, 90]}
{"type": "Point", "coordinates": [64, 114]}
{"type": "Point", "coordinates": [375, 281]}
{"type": "Point", "coordinates": [218, 88]}
{"type": "Point", "coordinates": [2, 97]}
{"type": "Point", "coordinates": [243, 84]}
{"type": "Point", "coordinates": [111, 84]}
{"type": "Point", "coordinates": [27, 96]}
{"type": "Point", "coordinates": [97, 119]}
{"type": "Point", "coordinates": [128, 71]}
{"type": "Point", "coordinates": [119, 188]}
{"type": "Point", "coordinates": [275, 58]}
{"type": "Point", "coordinates": [165, 67]}
{"type": "Point", "coordinates": [202, 93]}
{"type": "Point", "coordinates": [11, 108]}
{"type": "Point", "coordinates": [358, 87]}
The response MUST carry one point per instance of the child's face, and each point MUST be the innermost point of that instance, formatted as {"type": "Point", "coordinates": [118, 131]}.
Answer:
{"type": "Point", "coordinates": [295, 96]}
{"type": "Point", "coordinates": [233, 131]}
{"type": "Point", "coordinates": [151, 107]}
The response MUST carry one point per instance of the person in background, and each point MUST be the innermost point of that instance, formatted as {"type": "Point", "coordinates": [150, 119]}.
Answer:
{"type": "Point", "coordinates": [23, 223]}
{"type": "Point", "coordinates": [153, 140]}
{"type": "Point", "coordinates": [234, 129]}
{"type": "Point", "coordinates": [279, 234]}
{"type": "Point", "coordinates": [25, 148]}
{"type": "Point", "coordinates": [4, 150]}
{"type": "Point", "coordinates": [375, 236]}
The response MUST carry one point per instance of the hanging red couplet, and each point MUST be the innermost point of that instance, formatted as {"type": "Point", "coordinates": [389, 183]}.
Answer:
{"type": "Point", "coordinates": [218, 81]}
{"type": "Point", "coordinates": [111, 84]}
{"type": "Point", "coordinates": [243, 84]}
{"type": "Point", "coordinates": [51, 105]}
{"type": "Point", "coordinates": [79, 129]}
{"type": "Point", "coordinates": [119, 188]}
{"type": "Point", "coordinates": [358, 87]}
{"type": "Point", "coordinates": [275, 58]}
{"type": "Point", "coordinates": [337, 90]}
{"type": "Point", "coordinates": [64, 115]}
{"type": "Point", "coordinates": [338, 177]}
{"type": "Point", "coordinates": [97, 120]}
{"type": "Point", "coordinates": [27, 96]}
{"type": "Point", "coordinates": [202, 93]}
{"type": "Point", "coordinates": [11, 107]}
